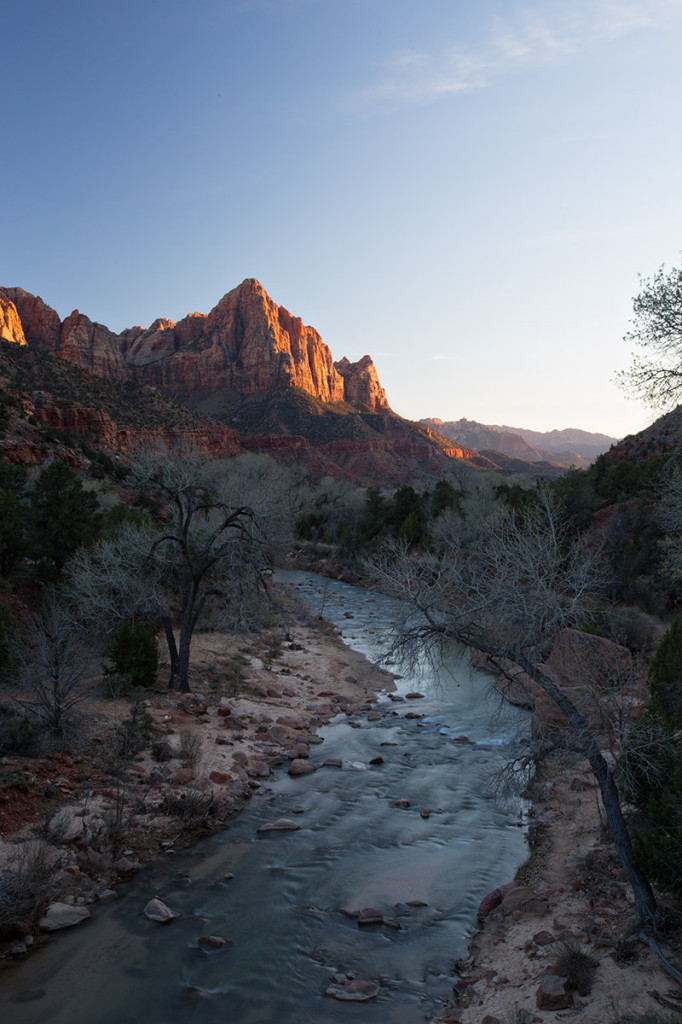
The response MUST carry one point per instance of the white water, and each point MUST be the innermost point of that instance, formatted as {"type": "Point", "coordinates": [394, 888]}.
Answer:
{"type": "Point", "coordinates": [283, 909]}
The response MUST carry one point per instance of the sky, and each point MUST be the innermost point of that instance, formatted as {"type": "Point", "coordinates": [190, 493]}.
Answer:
{"type": "Point", "coordinates": [467, 190]}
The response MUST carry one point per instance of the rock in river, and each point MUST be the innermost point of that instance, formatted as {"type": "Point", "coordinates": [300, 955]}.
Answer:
{"type": "Point", "coordinates": [281, 825]}
{"type": "Point", "coordinates": [353, 990]}
{"type": "Point", "coordinates": [157, 910]}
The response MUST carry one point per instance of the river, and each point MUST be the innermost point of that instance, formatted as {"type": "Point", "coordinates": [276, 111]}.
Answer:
{"type": "Point", "coordinates": [425, 866]}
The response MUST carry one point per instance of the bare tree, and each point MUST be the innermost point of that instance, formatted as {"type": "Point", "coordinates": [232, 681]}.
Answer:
{"type": "Point", "coordinates": [509, 594]}
{"type": "Point", "coordinates": [220, 519]}
{"type": "Point", "coordinates": [51, 659]}
{"type": "Point", "coordinates": [655, 375]}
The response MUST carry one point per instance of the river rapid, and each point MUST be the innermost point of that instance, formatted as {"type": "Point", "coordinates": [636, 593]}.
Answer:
{"type": "Point", "coordinates": [425, 866]}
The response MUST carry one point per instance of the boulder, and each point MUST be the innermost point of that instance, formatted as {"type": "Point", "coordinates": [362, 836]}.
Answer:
{"type": "Point", "coordinates": [158, 911]}
{"type": "Point", "coordinates": [552, 994]}
{"type": "Point", "coordinates": [299, 766]}
{"type": "Point", "coordinates": [62, 915]}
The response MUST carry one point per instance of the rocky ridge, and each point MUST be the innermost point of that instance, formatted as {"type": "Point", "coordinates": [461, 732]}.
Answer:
{"type": "Point", "coordinates": [246, 343]}
{"type": "Point", "coordinates": [558, 448]}
{"type": "Point", "coordinates": [255, 377]}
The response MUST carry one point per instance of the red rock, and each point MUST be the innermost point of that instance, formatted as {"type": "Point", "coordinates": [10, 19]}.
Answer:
{"type": "Point", "coordinates": [10, 324]}
{"type": "Point", "coordinates": [281, 825]}
{"type": "Point", "coordinates": [522, 900]}
{"type": "Point", "coordinates": [370, 915]}
{"type": "Point", "coordinates": [552, 994]}
{"type": "Point", "coordinates": [220, 778]}
{"type": "Point", "coordinates": [211, 942]}
{"type": "Point", "coordinates": [543, 938]}
{"type": "Point", "coordinates": [489, 903]}
{"type": "Point", "coordinates": [292, 721]}
{"type": "Point", "coordinates": [299, 766]}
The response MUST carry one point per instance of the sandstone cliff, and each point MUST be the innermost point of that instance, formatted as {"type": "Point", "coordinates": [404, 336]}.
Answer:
{"type": "Point", "coordinates": [10, 324]}
{"type": "Point", "coordinates": [247, 343]}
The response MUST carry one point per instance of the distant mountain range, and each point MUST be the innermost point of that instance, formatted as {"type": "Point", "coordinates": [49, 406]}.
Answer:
{"type": "Point", "coordinates": [570, 447]}
{"type": "Point", "coordinates": [255, 378]}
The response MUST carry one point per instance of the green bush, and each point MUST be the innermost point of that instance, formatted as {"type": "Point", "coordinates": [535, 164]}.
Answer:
{"type": "Point", "coordinates": [134, 656]}
{"type": "Point", "coordinates": [650, 768]}
{"type": "Point", "coordinates": [134, 734]}
{"type": "Point", "coordinates": [665, 676]}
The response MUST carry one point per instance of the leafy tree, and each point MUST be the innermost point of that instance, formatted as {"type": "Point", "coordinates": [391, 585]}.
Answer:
{"type": "Point", "coordinates": [651, 768]}
{"type": "Point", "coordinates": [13, 544]}
{"type": "Point", "coordinates": [62, 517]}
{"type": "Point", "coordinates": [655, 374]}
{"type": "Point", "coordinates": [665, 676]}
{"type": "Point", "coordinates": [134, 655]}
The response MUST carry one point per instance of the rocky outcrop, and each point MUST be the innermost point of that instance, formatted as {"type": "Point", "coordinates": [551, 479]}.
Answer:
{"type": "Point", "coordinates": [361, 387]}
{"type": "Point", "coordinates": [41, 324]}
{"type": "Point", "coordinates": [10, 324]}
{"type": "Point", "coordinates": [247, 343]}
{"type": "Point", "coordinates": [91, 346]}
{"type": "Point", "coordinates": [211, 439]}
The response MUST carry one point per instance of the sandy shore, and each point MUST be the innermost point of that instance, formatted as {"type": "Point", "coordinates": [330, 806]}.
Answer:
{"type": "Point", "coordinates": [572, 888]}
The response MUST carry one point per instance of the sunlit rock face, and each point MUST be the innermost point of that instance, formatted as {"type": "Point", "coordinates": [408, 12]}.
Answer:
{"type": "Point", "coordinates": [246, 343]}
{"type": "Point", "coordinates": [40, 323]}
{"type": "Point", "coordinates": [361, 385]}
{"type": "Point", "coordinates": [10, 324]}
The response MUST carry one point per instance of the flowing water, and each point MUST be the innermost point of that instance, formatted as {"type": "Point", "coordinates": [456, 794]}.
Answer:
{"type": "Point", "coordinates": [283, 910]}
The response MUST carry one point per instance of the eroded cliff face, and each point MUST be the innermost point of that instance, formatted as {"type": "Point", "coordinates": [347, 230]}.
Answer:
{"type": "Point", "coordinates": [10, 324]}
{"type": "Point", "coordinates": [40, 323]}
{"type": "Point", "coordinates": [247, 343]}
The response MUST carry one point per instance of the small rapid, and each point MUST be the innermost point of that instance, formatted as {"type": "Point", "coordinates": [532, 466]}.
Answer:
{"type": "Point", "coordinates": [408, 824]}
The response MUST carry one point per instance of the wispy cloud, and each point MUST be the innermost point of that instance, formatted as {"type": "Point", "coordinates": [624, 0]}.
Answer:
{"type": "Point", "coordinates": [540, 36]}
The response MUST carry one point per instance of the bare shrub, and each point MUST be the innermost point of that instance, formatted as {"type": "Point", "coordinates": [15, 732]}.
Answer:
{"type": "Point", "coordinates": [161, 751]}
{"type": "Point", "coordinates": [195, 808]}
{"type": "Point", "coordinates": [54, 827]}
{"type": "Point", "coordinates": [190, 747]}
{"type": "Point", "coordinates": [26, 885]}
{"type": "Point", "coordinates": [51, 657]}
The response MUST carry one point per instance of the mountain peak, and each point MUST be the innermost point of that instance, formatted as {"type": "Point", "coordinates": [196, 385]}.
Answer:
{"type": "Point", "coordinates": [247, 343]}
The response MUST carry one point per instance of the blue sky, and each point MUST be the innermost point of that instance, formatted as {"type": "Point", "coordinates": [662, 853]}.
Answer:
{"type": "Point", "coordinates": [466, 190]}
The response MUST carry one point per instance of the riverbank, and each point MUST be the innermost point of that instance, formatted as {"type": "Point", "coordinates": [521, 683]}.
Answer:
{"type": "Point", "coordinates": [76, 822]}
{"type": "Point", "coordinates": [569, 909]}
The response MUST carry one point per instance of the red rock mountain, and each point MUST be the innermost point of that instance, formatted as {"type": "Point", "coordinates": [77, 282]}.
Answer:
{"type": "Point", "coordinates": [247, 343]}
{"type": "Point", "coordinates": [250, 375]}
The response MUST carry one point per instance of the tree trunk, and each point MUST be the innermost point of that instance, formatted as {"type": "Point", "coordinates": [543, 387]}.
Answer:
{"type": "Point", "coordinates": [187, 623]}
{"type": "Point", "coordinates": [645, 900]}
{"type": "Point", "coordinates": [172, 650]}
